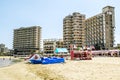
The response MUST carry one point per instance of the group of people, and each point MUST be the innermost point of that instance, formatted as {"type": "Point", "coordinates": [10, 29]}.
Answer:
{"type": "Point", "coordinates": [5, 58]}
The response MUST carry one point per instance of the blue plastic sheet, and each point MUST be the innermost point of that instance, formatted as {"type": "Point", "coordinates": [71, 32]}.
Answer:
{"type": "Point", "coordinates": [48, 60]}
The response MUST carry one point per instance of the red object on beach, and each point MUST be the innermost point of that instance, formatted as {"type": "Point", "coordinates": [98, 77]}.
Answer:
{"type": "Point", "coordinates": [72, 54]}
{"type": "Point", "coordinates": [36, 57]}
{"type": "Point", "coordinates": [82, 55]}
{"type": "Point", "coordinates": [29, 57]}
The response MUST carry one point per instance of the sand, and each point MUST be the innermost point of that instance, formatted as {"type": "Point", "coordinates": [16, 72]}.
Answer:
{"type": "Point", "coordinates": [100, 68]}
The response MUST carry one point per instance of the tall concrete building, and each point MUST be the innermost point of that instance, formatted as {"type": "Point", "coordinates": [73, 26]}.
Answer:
{"type": "Point", "coordinates": [50, 45]}
{"type": "Point", "coordinates": [27, 40]}
{"type": "Point", "coordinates": [99, 29]}
{"type": "Point", "coordinates": [95, 31]}
{"type": "Point", "coordinates": [73, 30]}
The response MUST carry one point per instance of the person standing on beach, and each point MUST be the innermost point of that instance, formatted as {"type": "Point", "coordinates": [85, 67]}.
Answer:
{"type": "Point", "coordinates": [10, 58]}
{"type": "Point", "coordinates": [3, 58]}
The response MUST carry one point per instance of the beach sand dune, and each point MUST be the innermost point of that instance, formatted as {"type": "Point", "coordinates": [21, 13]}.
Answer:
{"type": "Point", "coordinates": [100, 68]}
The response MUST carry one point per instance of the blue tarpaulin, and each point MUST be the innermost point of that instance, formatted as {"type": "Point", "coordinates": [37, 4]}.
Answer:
{"type": "Point", "coordinates": [47, 60]}
{"type": "Point", "coordinates": [61, 50]}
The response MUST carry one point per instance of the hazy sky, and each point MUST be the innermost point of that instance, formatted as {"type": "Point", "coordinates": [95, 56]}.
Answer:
{"type": "Point", "coordinates": [49, 15]}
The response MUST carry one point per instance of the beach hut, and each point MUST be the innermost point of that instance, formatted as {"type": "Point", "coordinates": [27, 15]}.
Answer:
{"type": "Point", "coordinates": [61, 50]}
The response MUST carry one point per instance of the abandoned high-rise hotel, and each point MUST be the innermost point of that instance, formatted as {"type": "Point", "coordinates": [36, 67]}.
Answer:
{"type": "Point", "coordinates": [27, 40]}
{"type": "Point", "coordinates": [95, 31]}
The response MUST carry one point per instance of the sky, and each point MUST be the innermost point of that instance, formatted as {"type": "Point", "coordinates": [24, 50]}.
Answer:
{"type": "Point", "coordinates": [49, 15]}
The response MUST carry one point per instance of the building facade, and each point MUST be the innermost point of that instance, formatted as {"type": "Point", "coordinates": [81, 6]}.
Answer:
{"type": "Point", "coordinates": [99, 29]}
{"type": "Point", "coordinates": [27, 40]}
{"type": "Point", "coordinates": [49, 45]}
{"type": "Point", "coordinates": [3, 49]}
{"type": "Point", "coordinates": [73, 30]}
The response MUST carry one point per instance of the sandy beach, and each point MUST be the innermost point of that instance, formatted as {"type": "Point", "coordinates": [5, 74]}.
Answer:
{"type": "Point", "coordinates": [99, 68]}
